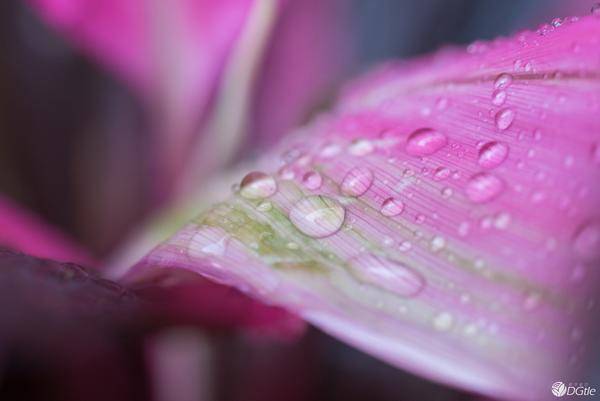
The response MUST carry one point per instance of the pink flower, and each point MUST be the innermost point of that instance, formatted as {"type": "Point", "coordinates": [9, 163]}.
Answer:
{"type": "Point", "coordinates": [442, 217]}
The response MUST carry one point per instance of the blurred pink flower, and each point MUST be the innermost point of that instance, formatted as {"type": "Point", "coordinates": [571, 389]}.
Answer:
{"type": "Point", "coordinates": [443, 217]}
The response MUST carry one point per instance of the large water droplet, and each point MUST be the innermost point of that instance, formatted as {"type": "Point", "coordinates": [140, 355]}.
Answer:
{"type": "Point", "coordinates": [257, 185]}
{"type": "Point", "coordinates": [587, 241]}
{"type": "Point", "coordinates": [504, 118]}
{"type": "Point", "coordinates": [503, 80]}
{"type": "Point", "coordinates": [483, 187]}
{"type": "Point", "coordinates": [492, 154]}
{"type": "Point", "coordinates": [392, 207]}
{"type": "Point", "coordinates": [357, 181]}
{"type": "Point", "coordinates": [312, 180]}
{"type": "Point", "coordinates": [317, 216]}
{"type": "Point", "coordinates": [425, 141]}
{"type": "Point", "coordinates": [388, 274]}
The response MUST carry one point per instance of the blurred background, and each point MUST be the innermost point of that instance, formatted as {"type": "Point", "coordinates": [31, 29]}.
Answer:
{"type": "Point", "coordinates": [103, 125]}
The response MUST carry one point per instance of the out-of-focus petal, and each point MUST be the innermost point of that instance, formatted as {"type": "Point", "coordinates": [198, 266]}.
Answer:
{"type": "Point", "coordinates": [25, 232]}
{"type": "Point", "coordinates": [443, 218]}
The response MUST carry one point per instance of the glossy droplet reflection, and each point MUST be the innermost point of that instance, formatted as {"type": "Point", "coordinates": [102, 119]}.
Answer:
{"type": "Point", "coordinates": [357, 181]}
{"type": "Point", "coordinates": [492, 154]}
{"type": "Point", "coordinates": [425, 141]}
{"type": "Point", "coordinates": [208, 241]}
{"type": "Point", "coordinates": [503, 80]}
{"type": "Point", "coordinates": [504, 118]}
{"type": "Point", "coordinates": [483, 187]}
{"type": "Point", "coordinates": [387, 274]}
{"type": "Point", "coordinates": [317, 216]}
{"type": "Point", "coordinates": [257, 185]}
{"type": "Point", "coordinates": [587, 241]}
{"type": "Point", "coordinates": [392, 207]}
{"type": "Point", "coordinates": [312, 180]}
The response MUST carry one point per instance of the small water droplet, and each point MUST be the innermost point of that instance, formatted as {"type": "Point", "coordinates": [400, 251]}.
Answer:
{"type": "Point", "coordinates": [502, 220]}
{"type": "Point", "coordinates": [483, 187]}
{"type": "Point", "coordinates": [437, 243]}
{"type": "Point", "coordinates": [330, 150]}
{"type": "Point", "coordinates": [392, 207]}
{"type": "Point", "coordinates": [208, 241]}
{"type": "Point", "coordinates": [292, 246]}
{"type": "Point", "coordinates": [312, 180]}
{"type": "Point", "coordinates": [405, 246]}
{"type": "Point", "coordinates": [264, 206]}
{"type": "Point", "coordinates": [361, 147]}
{"type": "Point", "coordinates": [587, 241]}
{"type": "Point", "coordinates": [504, 118]}
{"type": "Point", "coordinates": [498, 97]}
{"type": "Point", "coordinates": [503, 80]}
{"type": "Point", "coordinates": [357, 181]}
{"type": "Point", "coordinates": [388, 274]}
{"type": "Point", "coordinates": [257, 185]}
{"type": "Point", "coordinates": [441, 173]}
{"type": "Point", "coordinates": [443, 321]}
{"type": "Point", "coordinates": [447, 192]}
{"type": "Point", "coordinates": [317, 216]}
{"type": "Point", "coordinates": [425, 141]}
{"type": "Point", "coordinates": [492, 154]}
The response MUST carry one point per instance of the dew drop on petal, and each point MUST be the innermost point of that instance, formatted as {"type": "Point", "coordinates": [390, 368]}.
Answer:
{"type": "Point", "coordinates": [312, 180]}
{"type": "Point", "coordinates": [264, 206]}
{"type": "Point", "coordinates": [503, 80]}
{"type": "Point", "coordinates": [387, 274]}
{"type": "Point", "coordinates": [330, 150]}
{"type": "Point", "coordinates": [441, 173]}
{"type": "Point", "coordinates": [361, 147]}
{"type": "Point", "coordinates": [437, 243]}
{"type": "Point", "coordinates": [498, 97]}
{"type": "Point", "coordinates": [483, 187]}
{"type": "Point", "coordinates": [208, 241]}
{"type": "Point", "coordinates": [357, 181]}
{"type": "Point", "coordinates": [392, 207]}
{"type": "Point", "coordinates": [317, 216]}
{"type": "Point", "coordinates": [492, 154]}
{"type": "Point", "coordinates": [257, 185]}
{"type": "Point", "coordinates": [443, 321]}
{"type": "Point", "coordinates": [425, 141]}
{"type": "Point", "coordinates": [504, 118]}
{"type": "Point", "coordinates": [587, 241]}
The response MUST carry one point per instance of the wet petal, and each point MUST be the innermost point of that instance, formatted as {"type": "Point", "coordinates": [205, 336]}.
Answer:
{"type": "Point", "coordinates": [484, 277]}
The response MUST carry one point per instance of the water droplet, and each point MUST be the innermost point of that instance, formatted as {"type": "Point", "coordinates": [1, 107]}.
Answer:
{"type": "Point", "coordinates": [317, 216]}
{"type": "Point", "coordinates": [361, 147]}
{"type": "Point", "coordinates": [425, 141]}
{"type": "Point", "coordinates": [292, 246]}
{"type": "Point", "coordinates": [502, 220]}
{"type": "Point", "coordinates": [498, 97]}
{"type": "Point", "coordinates": [443, 321]}
{"type": "Point", "coordinates": [447, 192]}
{"type": "Point", "coordinates": [504, 118]}
{"type": "Point", "coordinates": [483, 187]}
{"type": "Point", "coordinates": [503, 80]}
{"type": "Point", "coordinates": [492, 154]}
{"type": "Point", "coordinates": [257, 185]}
{"type": "Point", "coordinates": [312, 180]}
{"type": "Point", "coordinates": [405, 246]}
{"type": "Point", "coordinates": [441, 173]}
{"type": "Point", "coordinates": [587, 241]}
{"type": "Point", "coordinates": [357, 181]}
{"type": "Point", "coordinates": [392, 207]}
{"type": "Point", "coordinates": [388, 274]}
{"type": "Point", "coordinates": [330, 150]}
{"type": "Point", "coordinates": [437, 243]}
{"type": "Point", "coordinates": [264, 206]}
{"type": "Point", "coordinates": [208, 241]}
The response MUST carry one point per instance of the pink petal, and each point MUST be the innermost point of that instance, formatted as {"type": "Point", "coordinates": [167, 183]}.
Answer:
{"type": "Point", "coordinates": [24, 232]}
{"type": "Point", "coordinates": [484, 278]}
